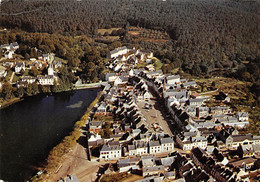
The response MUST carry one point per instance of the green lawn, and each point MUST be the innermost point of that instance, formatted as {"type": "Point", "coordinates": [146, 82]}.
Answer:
{"type": "Point", "coordinates": [16, 78]}
{"type": "Point", "coordinates": [157, 63]}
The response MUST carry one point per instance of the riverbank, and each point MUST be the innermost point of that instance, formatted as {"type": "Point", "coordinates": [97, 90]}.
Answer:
{"type": "Point", "coordinates": [56, 155]}
{"type": "Point", "coordinates": [80, 87]}
{"type": "Point", "coordinates": [10, 102]}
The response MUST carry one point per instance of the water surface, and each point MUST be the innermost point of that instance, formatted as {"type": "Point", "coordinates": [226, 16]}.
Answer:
{"type": "Point", "coordinates": [31, 128]}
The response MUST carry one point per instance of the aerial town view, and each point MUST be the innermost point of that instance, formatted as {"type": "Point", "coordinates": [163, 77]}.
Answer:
{"type": "Point", "coordinates": [130, 91]}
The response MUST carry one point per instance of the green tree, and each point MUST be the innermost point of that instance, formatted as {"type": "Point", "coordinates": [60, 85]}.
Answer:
{"type": "Point", "coordinates": [7, 91]}
{"type": "Point", "coordinates": [34, 71]}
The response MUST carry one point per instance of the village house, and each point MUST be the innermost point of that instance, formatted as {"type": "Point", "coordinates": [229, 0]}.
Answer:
{"type": "Point", "coordinates": [13, 46]}
{"type": "Point", "coordinates": [189, 84]}
{"type": "Point", "coordinates": [111, 77]}
{"type": "Point", "coordinates": [167, 144]}
{"type": "Point", "coordinates": [45, 80]}
{"type": "Point", "coordinates": [246, 163]}
{"type": "Point", "coordinates": [152, 170]}
{"type": "Point", "coordinates": [120, 80]}
{"type": "Point", "coordinates": [125, 165]}
{"type": "Point", "coordinates": [150, 67]}
{"type": "Point", "coordinates": [222, 97]}
{"type": "Point", "coordinates": [173, 79]}
{"type": "Point", "coordinates": [117, 52]}
{"type": "Point", "coordinates": [242, 116]}
{"type": "Point", "coordinates": [9, 54]}
{"type": "Point", "coordinates": [3, 72]}
{"type": "Point", "coordinates": [102, 109]}
{"type": "Point", "coordinates": [220, 110]}
{"type": "Point", "coordinates": [36, 64]}
{"type": "Point", "coordinates": [196, 102]}
{"type": "Point", "coordinates": [95, 126]}
{"type": "Point", "coordinates": [19, 67]}
{"type": "Point", "coordinates": [155, 147]}
{"type": "Point", "coordinates": [138, 148]}
{"type": "Point", "coordinates": [8, 64]}
{"type": "Point", "coordinates": [28, 79]}
{"type": "Point", "coordinates": [147, 96]}
{"type": "Point", "coordinates": [236, 140]}
{"type": "Point", "coordinates": [189, 140]}
{"type": "Point", "coordinates": [57, 64]}
{"type": "Point", "coordinates": [47, 57]}
{"type": "Point", "coordinates": [108, 152]}
{"type": "Point", "coordinates": [95, 140]}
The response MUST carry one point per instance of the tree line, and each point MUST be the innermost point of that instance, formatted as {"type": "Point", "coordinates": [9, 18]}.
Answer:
{"type": "Point", "coordinates": [205, 34]}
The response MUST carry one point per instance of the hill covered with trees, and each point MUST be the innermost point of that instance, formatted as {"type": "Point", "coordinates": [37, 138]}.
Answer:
{"type": "Point", "coordinates": [205, 35]}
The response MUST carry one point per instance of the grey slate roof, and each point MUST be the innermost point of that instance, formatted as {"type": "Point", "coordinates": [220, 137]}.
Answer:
{"type": "Point", "coordinates": [110, 148]}
{"type": "Point", "coordinates": [166, 140]}
{"type": "Point", "coordinates": [154, 143]}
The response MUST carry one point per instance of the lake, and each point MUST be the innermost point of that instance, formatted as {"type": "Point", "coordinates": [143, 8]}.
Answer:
{"type": "Point", "coordinates": [31, 128]}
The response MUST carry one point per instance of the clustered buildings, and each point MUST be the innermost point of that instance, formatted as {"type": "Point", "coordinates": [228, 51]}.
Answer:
{"type": "Point", "coordinates": [205, 145]}
{"type": "Point", "coordinates": [19, 67]}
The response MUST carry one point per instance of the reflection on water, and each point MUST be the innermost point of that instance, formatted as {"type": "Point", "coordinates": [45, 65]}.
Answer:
{"type": "Point", "coordinates": [77, 105]}
{"type": "Point", "coordinates": [29, 129]}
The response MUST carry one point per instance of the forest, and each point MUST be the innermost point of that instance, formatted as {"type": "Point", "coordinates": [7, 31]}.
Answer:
{"type": "Point", "coordinates": [205, 37]}
{"type": "Point", "coordinates": [204, 34]}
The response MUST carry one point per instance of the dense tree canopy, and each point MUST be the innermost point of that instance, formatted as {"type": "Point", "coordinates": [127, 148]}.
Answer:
{"type": "Point", "coordinates": [212, 34]}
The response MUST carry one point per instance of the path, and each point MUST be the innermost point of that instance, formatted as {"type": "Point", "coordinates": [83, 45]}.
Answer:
{"type": "Point", "coordinates": [12, 77]}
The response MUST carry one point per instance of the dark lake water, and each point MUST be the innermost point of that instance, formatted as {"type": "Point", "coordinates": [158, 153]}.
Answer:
{"type": "Point", "coordinates": [31, 128]}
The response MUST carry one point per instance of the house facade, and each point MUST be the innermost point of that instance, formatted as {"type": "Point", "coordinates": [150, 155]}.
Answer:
{"type": "Point", "coordinates": [108, 152]}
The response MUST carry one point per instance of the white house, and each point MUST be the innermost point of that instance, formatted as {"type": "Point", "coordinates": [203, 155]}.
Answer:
{"type": "Point", "coordinates": [117, 67]}
{"type": "Point", "coordinates": [46, 80]}
{"type": "Point", "coordinates": [111, 77]}
{"type": "Point", "coordinates": [19, 67]}
{"type": "Point", "coordinates": [28, 79]}
{"type": "Point", "coordinates": [13, 46]}
{"type": "Point", "coordinates": [110, 152]}
{"type": "Point", "coordinates": [118, 51]}
{"type": "Point", "coordinates": [47, 57]}
{"type": "Point", "coordinates": [187, 141]}
{"type": "Point", "coordinates": [242, 116]}
{"type": "Point", "coordinates": [173, 79]}
{"type": "Point", "coordinates": [154, 147]}
{"type": "Point", "coordinates": [120, 80]}
{"type": "Point", "coordinates": [167, 144]}
{"type": "Point", "coordinates": [9, 54]}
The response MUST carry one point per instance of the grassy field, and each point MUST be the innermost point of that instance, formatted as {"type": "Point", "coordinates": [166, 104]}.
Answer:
{"type": "Point", "coordinates": [103, 31]}
{"type": "Point", "coordinates": [149, 35]}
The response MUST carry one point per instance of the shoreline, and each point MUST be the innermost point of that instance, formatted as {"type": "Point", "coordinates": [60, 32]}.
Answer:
{"type": "Point", "coordinates": [54, 157]}
{"type": "Point", "coordinates": [19, 99]}
{"type": "Point", "coordinates": [11, 102]}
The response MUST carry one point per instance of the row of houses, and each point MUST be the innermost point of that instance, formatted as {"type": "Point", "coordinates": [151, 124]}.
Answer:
{"type": "Point", "coordinates": [189, 111]}
{"type": "Point", "coordinates": [209, 135]}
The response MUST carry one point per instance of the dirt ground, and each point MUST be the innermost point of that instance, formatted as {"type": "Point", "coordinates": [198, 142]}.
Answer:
{"type": "Point", "coordinates": [75, 162]}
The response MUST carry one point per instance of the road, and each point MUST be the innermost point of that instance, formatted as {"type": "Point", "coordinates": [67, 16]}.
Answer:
{"type": "Point", "coordinates": [154, 115]}
{"type": "Point", "coordinates": [12, 77]}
